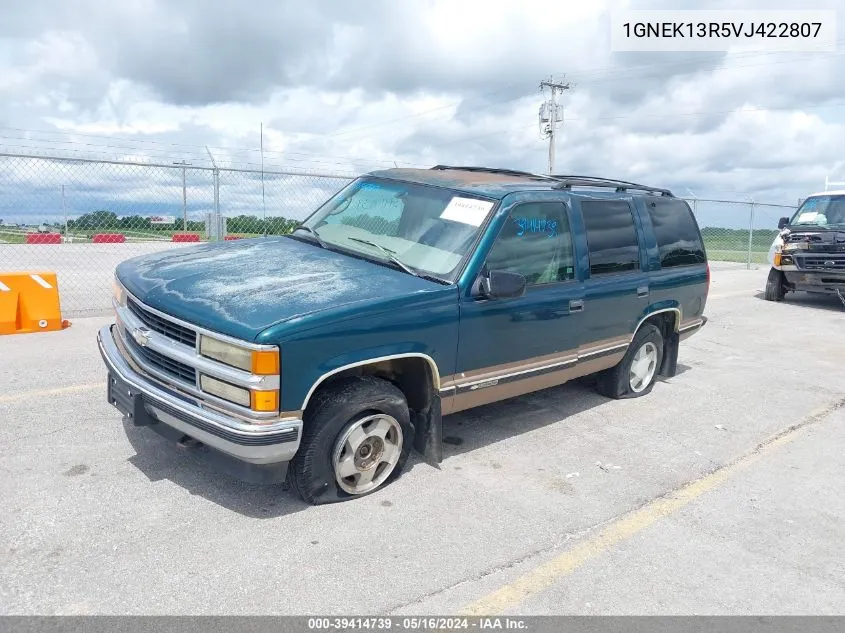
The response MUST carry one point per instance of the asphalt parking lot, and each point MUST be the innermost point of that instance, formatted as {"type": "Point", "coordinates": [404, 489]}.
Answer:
{"type": "Point", "coordinates": [719, 493]}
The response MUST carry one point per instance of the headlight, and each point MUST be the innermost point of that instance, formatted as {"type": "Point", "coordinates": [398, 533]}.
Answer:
{"type": "Point", "coordinates": [260, 362]}
{"type": "Point", "coordinates": [264, 401]}
{"type": "Point", "coordinates": [224, 390]}
{"type": "Point", "coordinates": [119, 293]}
{"type": "Point", "coordinates": [797, 246]}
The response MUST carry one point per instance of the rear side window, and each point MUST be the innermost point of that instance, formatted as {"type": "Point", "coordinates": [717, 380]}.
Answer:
{"type": "Point", "coordinates": [678, 239]}
{"type": "Point", "coordinates": [611, 236]}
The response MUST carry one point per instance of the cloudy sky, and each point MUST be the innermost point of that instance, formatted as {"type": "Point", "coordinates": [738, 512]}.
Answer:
{"type": "Point", "coordinates": [342, 87]}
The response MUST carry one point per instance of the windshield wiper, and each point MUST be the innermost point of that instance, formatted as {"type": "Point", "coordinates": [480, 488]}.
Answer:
{"type": "Point", "coordinates": [316, 235]}
{"type": "Point", "coordinates": [390, 255]}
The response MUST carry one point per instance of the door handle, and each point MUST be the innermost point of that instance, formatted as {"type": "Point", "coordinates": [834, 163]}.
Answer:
{"type": "Point", "coordinates": [642, 291]}
{"type": "Point", "coordinates": [576, 305]}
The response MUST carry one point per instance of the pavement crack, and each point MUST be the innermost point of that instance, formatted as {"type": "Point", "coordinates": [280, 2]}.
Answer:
{"type": "Point", "coordinates": [558, 544]}
{"type": "Point", "coordinates": [815, 416]}
{"type": "Point", "coordinates": [34, 435]}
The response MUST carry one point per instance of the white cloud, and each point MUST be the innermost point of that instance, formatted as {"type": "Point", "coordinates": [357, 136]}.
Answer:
{"type": "Point", "coordinates": [413, 83]}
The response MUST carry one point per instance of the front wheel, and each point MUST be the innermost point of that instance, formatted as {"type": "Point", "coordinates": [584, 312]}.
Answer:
{"type": "Point", "coordinates": [775, 287]}
{"type": "Point", "coordinates": [357, 438]}
{"type": "Point", "coordinates": [637, 372]}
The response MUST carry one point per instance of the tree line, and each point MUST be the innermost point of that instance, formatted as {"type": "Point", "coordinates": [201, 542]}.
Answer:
{"type": "Point", "coordinates": [103, 220]}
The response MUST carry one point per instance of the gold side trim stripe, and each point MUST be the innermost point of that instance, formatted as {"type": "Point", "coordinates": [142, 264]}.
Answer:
{"type": "Point", "coordinates": [565, 361]}
{"type": "Point", "coordinates": [691, 326]}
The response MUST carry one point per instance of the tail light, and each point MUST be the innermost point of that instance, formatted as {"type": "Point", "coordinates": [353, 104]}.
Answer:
{"type": "Point", "coordinates": [708, 277]}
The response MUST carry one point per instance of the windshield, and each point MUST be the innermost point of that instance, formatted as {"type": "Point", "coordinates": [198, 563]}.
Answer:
{"type": "Point", "coordinates": [821, 211]}
{"type": "Point", "coordinates": [425, 229]}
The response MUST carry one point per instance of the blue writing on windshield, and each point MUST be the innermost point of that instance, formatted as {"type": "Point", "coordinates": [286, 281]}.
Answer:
{"type": "Point", "coordinates": [370, 186]}
{"type": "Point", "coordinates": [536, 225]}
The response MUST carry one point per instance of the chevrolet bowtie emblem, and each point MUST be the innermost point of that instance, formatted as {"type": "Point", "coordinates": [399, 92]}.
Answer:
{"type": "Point", "coordinates": [141, 336]}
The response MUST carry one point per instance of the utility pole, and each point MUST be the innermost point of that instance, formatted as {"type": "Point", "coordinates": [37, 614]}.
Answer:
{"type": "Point", "coordinates": [184, 195]}
{"type": "Point", "coordinates": [263, 202]}
{"type": "Point", "coordinates": [549, 115]}
{"type": "Point", "coordinates": [64, 211]}
{"type": "Point", "coordinates": [216, 215]}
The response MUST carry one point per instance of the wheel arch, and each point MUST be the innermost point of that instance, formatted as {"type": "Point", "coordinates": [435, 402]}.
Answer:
{"type": "Point", "coordinates": [417, 376]}
{"type": "Point", "coordinates": [668, 320]}
{"type": "Point", "coordinates": [380, 365]}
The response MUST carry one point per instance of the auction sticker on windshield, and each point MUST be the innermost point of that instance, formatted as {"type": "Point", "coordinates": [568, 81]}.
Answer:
{"type": "Point", "coordinates": [467, 210]}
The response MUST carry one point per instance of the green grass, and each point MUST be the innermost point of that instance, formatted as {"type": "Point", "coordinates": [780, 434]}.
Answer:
{"type": "Point", "coordinates": [13, 237]}
{"type": "Point", "coordinates": [757, 257]}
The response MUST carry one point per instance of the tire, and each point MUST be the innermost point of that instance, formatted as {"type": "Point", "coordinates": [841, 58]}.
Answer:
{"type": "Point", "coordinates": [618, 382]}
{"type": "Point", "coordinates": [775, 290]}
{"type": "Point", "coordinates": [364, 404]}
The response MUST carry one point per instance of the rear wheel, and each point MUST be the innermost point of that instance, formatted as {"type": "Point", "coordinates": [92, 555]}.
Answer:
{"type": "Point", "coordinates": [775, 288]}
{"type": "Point", "coordinates": [357, 438]}
{"type": "Point", "coordinates": [637, 372]}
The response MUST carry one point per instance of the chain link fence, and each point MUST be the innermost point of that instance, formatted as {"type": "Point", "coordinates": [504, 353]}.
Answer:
{"type": "Point", "coordinates": [738, 231]}
{"type": "Point", "coordinates": [81, 217]}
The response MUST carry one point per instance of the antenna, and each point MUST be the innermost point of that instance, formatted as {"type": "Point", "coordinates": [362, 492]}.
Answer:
{"type": "Point", "coordinates": [832, 184]}
{"type": "Point", "coordinates": [211, 156]}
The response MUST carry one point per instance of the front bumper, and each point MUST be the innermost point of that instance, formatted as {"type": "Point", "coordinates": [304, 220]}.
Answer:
{"type": "Point", "coordinates": [821, 281]}
{"type": "Point", "coordinates": [148, 403]}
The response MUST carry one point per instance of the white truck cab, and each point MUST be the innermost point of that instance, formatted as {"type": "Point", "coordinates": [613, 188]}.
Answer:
{"type": "Point", "coordinates": [808, 253]}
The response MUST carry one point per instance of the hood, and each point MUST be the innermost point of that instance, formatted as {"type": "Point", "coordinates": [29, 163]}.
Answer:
{"type": "Point", "coordinates": [242, 287]}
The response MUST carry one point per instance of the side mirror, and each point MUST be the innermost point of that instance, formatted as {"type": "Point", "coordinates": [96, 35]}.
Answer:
{"type": "Point", "coordinates": [783, 222]}
{"type": "Point", "coordinates": [500, 284]}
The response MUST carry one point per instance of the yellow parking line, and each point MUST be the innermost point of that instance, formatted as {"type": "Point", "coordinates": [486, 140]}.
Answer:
{"type": "Point", "coordinates": [547, 574]}
{"type": "Point", "coordinates": [41, 393]}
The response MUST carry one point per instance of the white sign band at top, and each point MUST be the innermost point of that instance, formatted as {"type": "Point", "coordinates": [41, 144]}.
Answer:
{"type": "Point", "coordinates": [723, 30]}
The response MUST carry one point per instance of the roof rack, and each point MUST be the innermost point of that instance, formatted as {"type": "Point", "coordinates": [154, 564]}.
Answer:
{"type": "Point", "coordinates": [497, 170]}
{"type": "Point", "coordinates": [566, 182]}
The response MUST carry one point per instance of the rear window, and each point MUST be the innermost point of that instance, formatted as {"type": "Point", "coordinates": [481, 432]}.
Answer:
{"type": "Point", "coordinates": [611, 236]}
{"type": "Point", "coordinates": [678, 238]}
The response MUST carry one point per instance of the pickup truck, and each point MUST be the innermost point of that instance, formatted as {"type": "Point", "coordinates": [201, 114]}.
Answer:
{"type": "Point", "coordinates": [322, 358]}
{"type": "Point", "coordinates": [809, 252]}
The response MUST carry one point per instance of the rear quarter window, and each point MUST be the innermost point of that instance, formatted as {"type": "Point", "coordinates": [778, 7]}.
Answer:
{"type": "Point", "coordinates": [611, 236]}
{"type": "Point", "coordinates": [678, 238]}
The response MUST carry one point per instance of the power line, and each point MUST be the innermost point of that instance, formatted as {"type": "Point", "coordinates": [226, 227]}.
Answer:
{"type": "Point", "coordinates": [199, 152]}
{"type": "Point", "coordinates": [652, 116]}
{"type": "Point", "coordinates": [608, 73]}
{"type": "Point", "coordinates": [163, 154]}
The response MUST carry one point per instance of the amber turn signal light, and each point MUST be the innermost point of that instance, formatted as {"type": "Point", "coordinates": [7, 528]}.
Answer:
{"type": "Point", "coordinates": [265, 363]}
{"type": "Point", "coordinates": [264, 401]}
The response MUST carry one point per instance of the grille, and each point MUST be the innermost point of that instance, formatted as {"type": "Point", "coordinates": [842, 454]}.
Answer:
{"type": "Point", "coordinates": [164, 363]}
{"type": "Point", "coordinates": [163, 326]}
{"type": "Point", "coordinates": [818, 262]}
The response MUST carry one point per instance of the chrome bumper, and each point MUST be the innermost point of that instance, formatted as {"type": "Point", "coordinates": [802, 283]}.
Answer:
{"type": "Point", "coordinates": [264, 444]}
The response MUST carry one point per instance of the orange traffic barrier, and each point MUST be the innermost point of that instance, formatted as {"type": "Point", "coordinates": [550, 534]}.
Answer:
{"type": "Point", "coordinates": [108, 238]}
{"type": "Point", "coordinates": [29, 302]}
{"type": "Point", "coordinates": [185, 237]}
{"type": "Point", "coordinates": [43, 238]}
